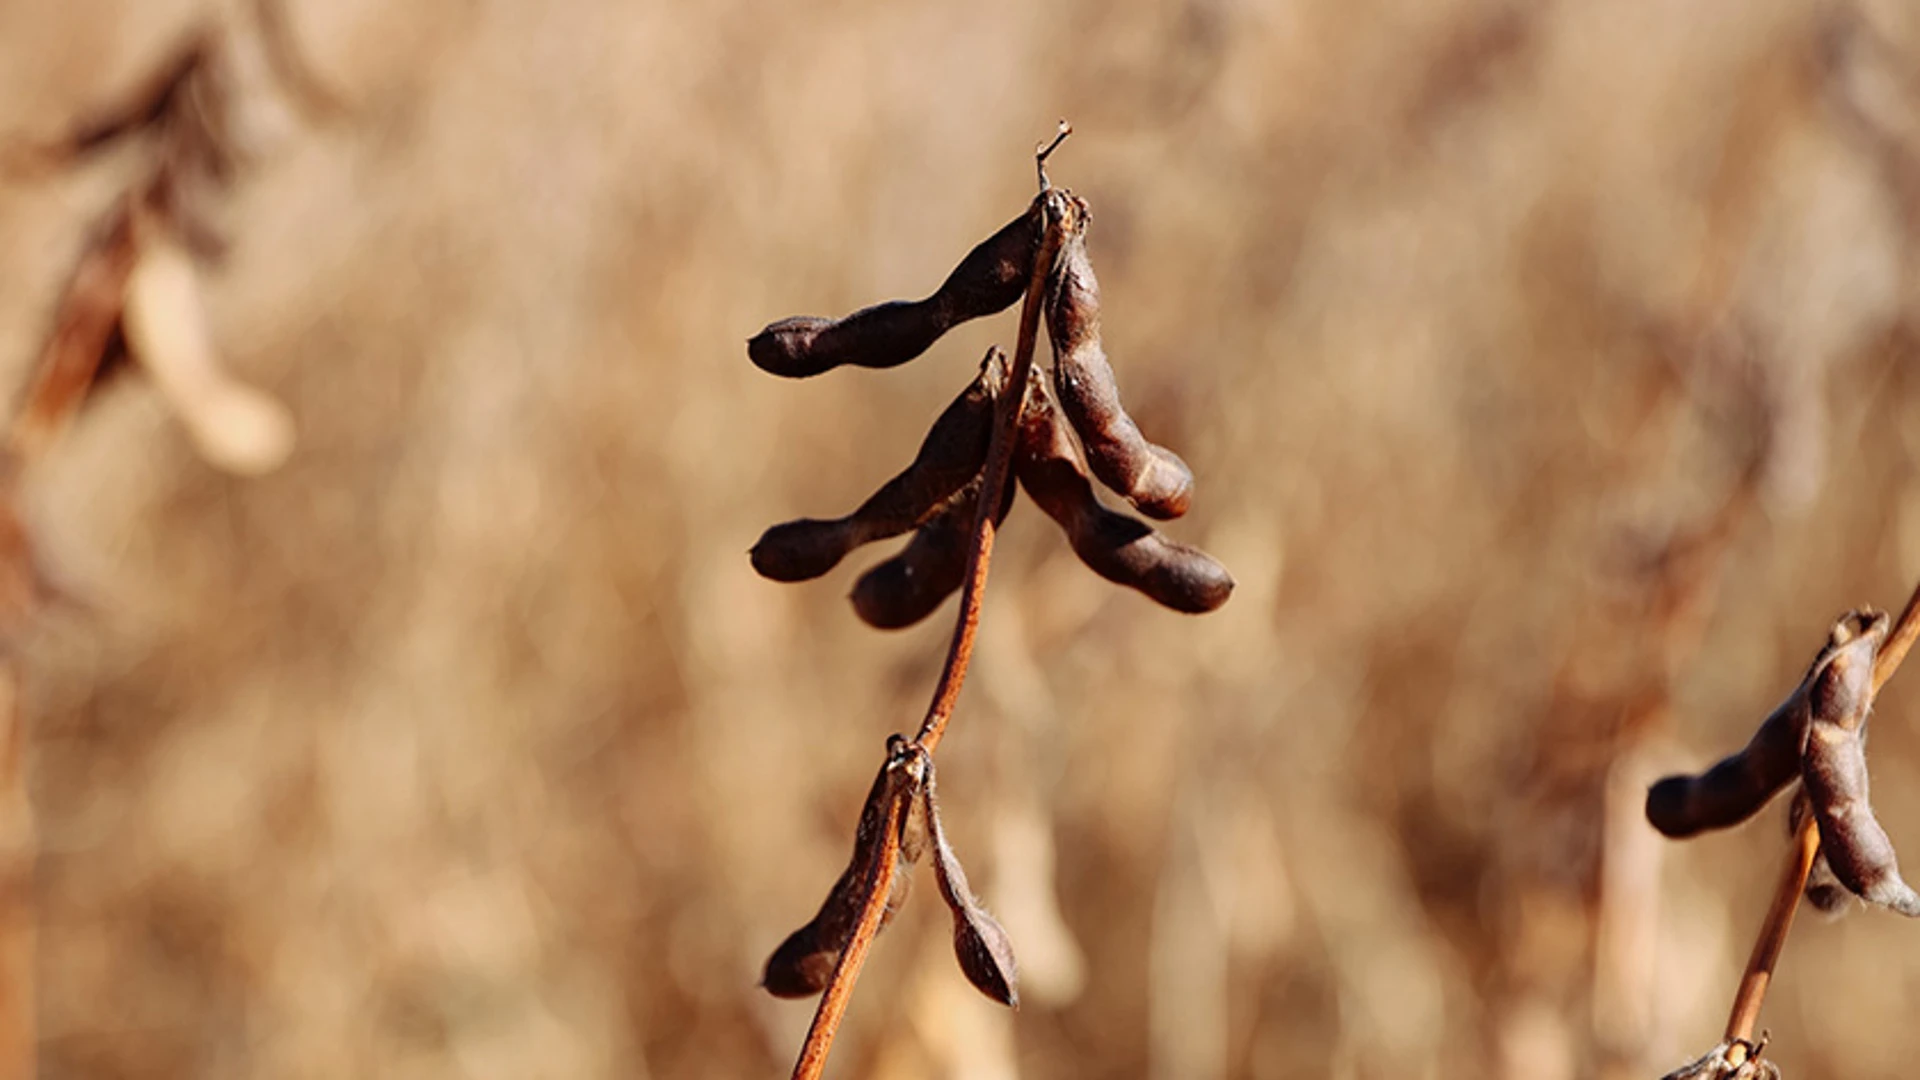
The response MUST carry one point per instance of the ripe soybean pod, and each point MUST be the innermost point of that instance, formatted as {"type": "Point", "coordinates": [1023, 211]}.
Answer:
{"type": "Point", "coordinates": [1834, 770]}
{"type": "Point", "coordinates": [908, 587]}
{"type": "Point", "coordinates": [1151, 477]}
{"type": "Point", "coordinates": [950, 455]}
{"type": "Point", "coordinates": [802, 963]}
{"type": "Point", "coordinates": [1737, 786]}
{"type": "Point", "coordinates": [1121, 549]}
{"type": "Point", "coordinates": [991, 277]}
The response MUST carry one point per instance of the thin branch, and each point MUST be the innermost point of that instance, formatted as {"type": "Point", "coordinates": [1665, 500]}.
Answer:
{"type": "Point", "coordinates": [1906, 630]}
{"type": "Point", "coordinates": [1806, 846]}
{"type": "Point", "coordinates": [1773, 933]}
{"type": "Point", "coordinates": [833, 1001]}
{"type": "Point", "coordinates": [1046, 150]}
{"type": "Point", "coordinates": [999, 465]}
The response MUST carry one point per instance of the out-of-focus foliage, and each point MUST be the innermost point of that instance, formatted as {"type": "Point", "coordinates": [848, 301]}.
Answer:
{"type": "Point", "coordinates": [1547, 369]}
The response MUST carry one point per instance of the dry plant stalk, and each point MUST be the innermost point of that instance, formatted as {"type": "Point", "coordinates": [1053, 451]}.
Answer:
{"type": "Point", "coordinates": [134, 292]}
{"type": "Point", "coordinates": [953, 497]}
{"type": "Point", "coordinates": [1817, 736]}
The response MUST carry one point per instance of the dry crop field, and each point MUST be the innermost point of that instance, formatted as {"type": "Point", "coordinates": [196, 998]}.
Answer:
{"type": "Point", "coordinates": [1547, 369]}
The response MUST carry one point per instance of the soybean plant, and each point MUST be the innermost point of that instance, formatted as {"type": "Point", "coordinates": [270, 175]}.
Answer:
{"type": "Point", "coordinates": [952, 498]}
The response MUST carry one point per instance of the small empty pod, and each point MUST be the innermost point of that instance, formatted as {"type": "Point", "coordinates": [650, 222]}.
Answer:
{"type": "Point", "coordinates": [1151, 477]}
{"type": "Point", "coordinates": [951, 454]}
{"type": "Point", "coordinates": [802, 964]}
{"type": "Point", "coordinates": [979, 942]}
{"type": "Point", "coordinates": [1121, 549]}
{"type": "Point", "coordinates": [992, 276]}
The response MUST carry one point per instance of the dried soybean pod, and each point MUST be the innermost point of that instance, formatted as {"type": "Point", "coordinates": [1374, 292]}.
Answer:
{"type": "Point", "coordinates": [1121, 549]}
{"type": "Point", "coordinates": [979, 942]}
{"type": "Point", "coordinates": [801, 965]}
{"type": "Point", "coordinates": [1151, 477]}
{"type": "Point", "coordinates": [1834, 770]}
{"type": "Point", "coordinates": [951, 454]}
{"type": "Point", "coordinates": [1737, 786]}
{"type": "Point", "coordinates": [907, 588]}
{"type": "Point", "coordinates": [1823, 890]}
{"type": "Point", "coordinates": [991, 277]}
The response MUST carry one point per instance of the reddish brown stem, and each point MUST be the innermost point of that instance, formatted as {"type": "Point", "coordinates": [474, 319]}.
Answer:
{"type": "Point", "coordinates": [1906, 630]}
{"type": "Point", "coordinates": [833, 1001]}
{"type": "Point", "coordinates": [999, 465]}
{"type": "Point", "coordinates": [1773, 933]}
{"type": "Point", "coordinates": [1806, 846]}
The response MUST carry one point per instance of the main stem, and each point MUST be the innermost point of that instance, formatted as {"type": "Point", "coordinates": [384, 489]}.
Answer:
{"type": "Point", "coordinates": [1806, 846]}
{"type": "Point", "coordinates": [1773, 933]}
{"type": "Point", "coordinates": [1006, 416]}
{"type": "Point", "coordinates": [833, 1001]}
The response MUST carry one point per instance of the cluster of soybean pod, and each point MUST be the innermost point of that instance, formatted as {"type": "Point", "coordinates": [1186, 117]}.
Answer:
{"type": "Point", "coordinates": [937, 495]}
{"type": "Point", "coordinates": [1818, 736]}
{"type": "Point", "coordinates": [938, 499]}
{"type": "Point", "coordinates": [902, 798]}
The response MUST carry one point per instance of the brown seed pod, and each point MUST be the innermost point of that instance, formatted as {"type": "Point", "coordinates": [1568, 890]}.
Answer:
{"type": "Point", "coordinates": [1834, 769]}
{"type": "Point", "coordinates": [979, 942]}
{"type": "Point", "coordinates": [1151, 477]}
{"type": "Point", "coordinates": [1822, 890]}
{"type": "Point", "coordinates": [1121, 549]}
{"type": "Point", "coordinates": [1737, 786]}
{"type": "Point", "coordinates": [991, 277]}
{"type": "Point", "coordinates": [952, 453]}
{"type": "Point", "coordinates": [908, 587]}
{"type": "Point", "coordinates": [802, 963]}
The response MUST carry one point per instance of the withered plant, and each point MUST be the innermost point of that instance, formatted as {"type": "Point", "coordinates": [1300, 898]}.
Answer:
{"type": "Point", "coordinates": [1839, 851]}
{"type": "Point", "coordinates": [133, 293]}
{"type": "Point", "coordinates": [1005, 425]}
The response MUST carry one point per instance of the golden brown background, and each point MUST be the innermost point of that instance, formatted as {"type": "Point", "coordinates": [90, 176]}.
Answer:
{"type": "Point", "coordinates": [468, 744]}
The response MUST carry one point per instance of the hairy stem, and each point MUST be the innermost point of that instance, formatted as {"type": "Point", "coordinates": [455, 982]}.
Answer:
{"type": "Point", "coordinates": [833, 1001]}
{"type": "Point", "coordinates": [999, 465]}
{"type": "Point", "coordinates": [1773, 933]}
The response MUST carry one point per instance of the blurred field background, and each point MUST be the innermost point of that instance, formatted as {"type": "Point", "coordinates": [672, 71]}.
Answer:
{"type": "Point", "coordinates": [1548, 374]}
